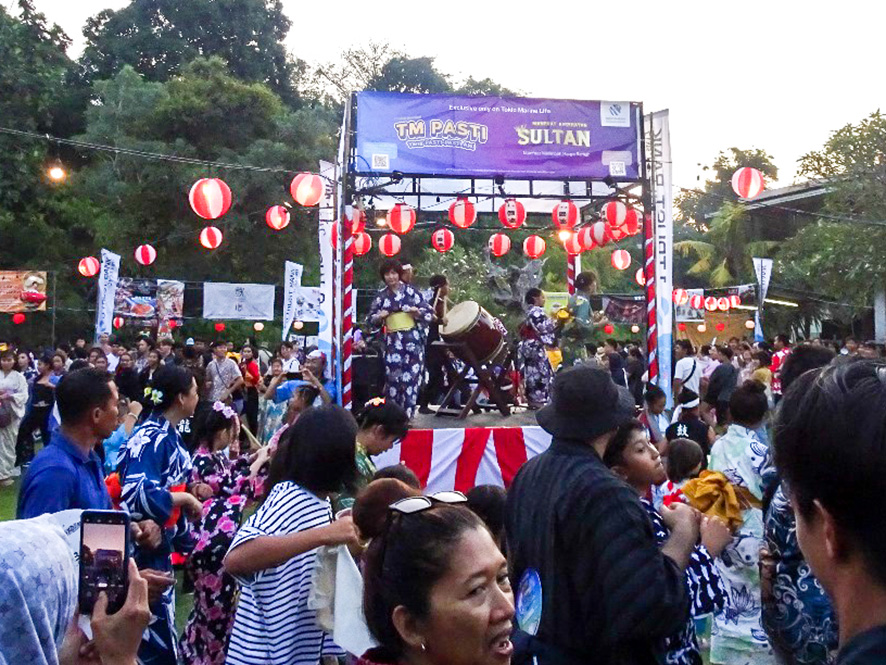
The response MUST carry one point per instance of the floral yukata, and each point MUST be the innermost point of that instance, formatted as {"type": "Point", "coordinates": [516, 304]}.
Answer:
{"type": "Point", "coordinates": [205, 637]}
{"type": "Point", "coordinates": [405, 349]}
{"type": "Point", "coordinates": [536, 334]}
{"type": "Point", "coordinates": [154, 464]}
{"type": "Point", "coordinates": [737, 636]}
{"type": "Point", "coordinates": [707, 595]}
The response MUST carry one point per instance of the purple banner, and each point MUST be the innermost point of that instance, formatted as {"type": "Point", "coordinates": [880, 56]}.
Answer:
{"type": "Point", "coordinates": [489, 136]}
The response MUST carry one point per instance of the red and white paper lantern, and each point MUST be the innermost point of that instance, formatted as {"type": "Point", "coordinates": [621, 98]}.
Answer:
{"type": "Point", "coordinates": [307, 189]}
{"type": "Point", "coordinates": [621, 259]}
{"type": "Point", "coordinates": [710, 304]}
{"type": "Point", "coordinates": [534, 246]}
{"type": "Point", "coordinates": [145, 254]}
{"type": "Point", "coordinates": [572, 245]}
{"type": "Point", "coordinates": [696, 301]}
{"type": "Point", "coordinates": [118, 322]}
{"type": "Point", "coordinates": [723, 304]}
{"type": "Point", "coordinates": [362, 243]}
{"type": "Point", "coordinates": [88, 266]}
{"type": "Point", "coordinates": [565, 215]}
{"type": "Point", "coordinates": [277, 217]}
{"type": "Point", "coordinates": [499, 244]}
{"type": "Point", "coordinates": [614, 214]}
{"type": "Point", "coordinates": [640, 277]}
{"type": "Point", "coordinates": [681, 296]}
{"type": "Point", "coordinates": [211, 237]}
{"type": "Point", "coordinates": [401, 218]}
{"type": "Point", "coordinates": [389, 244]}
{"type": "Point", "coordinates": [586, 238]}
{"type": "Point", "coordinates": [462, 213]}
{"type": "Point", "coordinates": [617, 234]}
{"type": "Point", "coordinates": [600, 233]}
{"type": "Point", "coordinates": [748, 182]}
{"type": "Point", "coordinates": [442, 240]}
{"type": "Point", "coordinates": [210, 198]}
{"type": "Point", "coordinates": [734, 300]}
{"type": "Point", "coordinates": [631, 224]}
{"type": "Point", "coordinates": [512, 214]}
{"type": "Point", "coordinates": [357, 217]}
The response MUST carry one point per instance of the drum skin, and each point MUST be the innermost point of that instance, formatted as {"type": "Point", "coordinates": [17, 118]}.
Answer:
{"type": "Point", "coordinates": [473, 326]}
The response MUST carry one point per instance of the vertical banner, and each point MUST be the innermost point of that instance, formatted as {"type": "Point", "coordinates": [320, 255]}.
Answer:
{"type": "Point", "coordinates": [327, 270]}
{"type": "Point", "coordinates": [763, 270]}
{"type": "Point", "coordinates": [107, 291]}
{"type": "Point", "coordinates": [658, 154]}
{"type": "Point", "coordinates": [291, 282]}
{"type": "Point", "coordinates": [170, 304]}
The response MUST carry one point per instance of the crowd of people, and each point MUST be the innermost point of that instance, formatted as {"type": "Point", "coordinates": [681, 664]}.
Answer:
{"type": "Point", "coordinates": [743, 522]}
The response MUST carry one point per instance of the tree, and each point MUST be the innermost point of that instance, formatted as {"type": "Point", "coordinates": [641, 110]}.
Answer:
{"type": "Point", "coordinates": [355, 70]}
{"type": "Point", "coordinates": [158, 38]}
{"type": "Point", "coordinates": [485, 88]}
{"type": "Point", "coordinates": [402, 74]}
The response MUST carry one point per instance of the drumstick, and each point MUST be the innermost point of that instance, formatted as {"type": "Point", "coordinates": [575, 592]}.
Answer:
{"type": "Point", "coordinates": [253, 442]}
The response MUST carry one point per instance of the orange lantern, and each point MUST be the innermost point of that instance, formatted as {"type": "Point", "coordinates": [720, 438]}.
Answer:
{"type": "Point", "coordinates": [534, 246]}
{"type": "Point", "coordinates": [565, 215]}
{"type": "Point", "coordinates": [614, 214]}
{"type": "Point", "coordinates": [748, 183]}
{"type": "Point", "coordinates": [211, 237]}
{"type": "Point", "coordinates": [277, 217]}
{"type": "Point", "coordinates": [462, 213]}
{"type": "Point", "coordinates": [621, 259]}
{"type": "Point", "coordinates": [18, 318]}
{"type": "Point", "coordinates": [88, 266]}
{"type": "Point", "coordinates": [307, 189]}
{"type": "Point", "coordinates": [681, 296]}
{"type": "Point", "coordinates": [512, 214]}
{"type": "Point", "coordinates": [600, 233]}
{"type": "Point", "coordinates": [401, 218]}
{"type": "Point", "coordinates": [442, 240]}
{"type": "Point", "coordinates": [499, 244]}
{"type": "Point", "coordinates": [210, 198]}
{"type": "Point", "coordinates": [362, 243]}
{"type": "Point", "coordinates": [389, 244]}
{"type": "Point", "coordinates": [145, 254]}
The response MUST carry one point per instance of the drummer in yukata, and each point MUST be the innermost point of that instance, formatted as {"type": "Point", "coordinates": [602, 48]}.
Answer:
{"type": "Point", "coordinates": [401, 310]}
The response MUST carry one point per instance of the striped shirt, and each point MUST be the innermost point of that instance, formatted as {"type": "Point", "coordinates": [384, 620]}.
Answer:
{"type": "Point", "coordinates": [273, 625]}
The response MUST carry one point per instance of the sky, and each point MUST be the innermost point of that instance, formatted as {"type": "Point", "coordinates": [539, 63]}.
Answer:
{"type": "Point", "coordinates": [780, 76]}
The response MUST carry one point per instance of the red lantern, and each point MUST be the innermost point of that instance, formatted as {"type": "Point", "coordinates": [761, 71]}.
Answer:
{"type": "Point", "coordinates": [565, 215]}
{"type": "Point", "coordinates": [723, 304]}
{"type": "Point", "coordinates": [640, 277]}
{"type": "Point", "coordinates": [211, 237]}
{"type": "Point", "coordinates": [362, 243]}
{"type": "Point", "coordinates": [307, 189]}
{"type": "Point", "coordinates": [219, 327]}
{"type": "Point", "coordinates": [681, 296]}
{"type": "Point", "coordinates": [572, 245]}
{"type": "Point", "coordinates": [401, 218]}
{"type": "Point", "coordinates": [462, 213]}
{"type": "Point", "coordinates": [145, 254]}
{"type": "Point", "coordinates": [512, 214]}
{"type": "Point", "coordinates": [172, 323]}
{"type": "Point", "coordinates": [333, 236]}
{"type": "Point", "coordinates": [442, 240]}
{"type": "Point", "coordinates": [631, 224]}
{"type": "Point", "coordinates": [119, 322]}
{"type": "Point", "coordinates": [734, 301]}
{"type": "Point", "coordinates": [615, 214]}
{"type": "Point", "coordinates": [534, 246]}
{"type": "Point", "coordinates": [696, 302]}
{"type": "Point", "coordinates": [710, 304]}
{"type": "Point", "coordinates": [277, 217]}
{"type": "Point", "coordinates": [88, 266]}
{"type": "Point", "coordinates": [748, 182]}
{"type": "Point", "coordinates": [499, 244]}
{"type": "Point", "coordinates": [621, 259]}
{"type": "Point", "coordinates": [609, 329]}
{"type": "Point", "coordinates": [18, 318]}
{"type": "Point", "coordinates": [720, 327]}
{"type": "Point", "coordinates": [210, 198]}
{"type": "Point", "coordinates": [358, 221]}
{"type": "Point", "coordinates": [389, 244]}
{"type": "Point", "coordinates": [600, 233]}
{"type": "Point", "coordinates": [586, 238]}
{"type": "Point", "coordinates": [617, 234]}
{"type": "Point", "coordinates": [681, 327]}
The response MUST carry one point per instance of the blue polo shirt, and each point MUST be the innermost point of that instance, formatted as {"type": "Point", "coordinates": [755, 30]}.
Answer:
{"type": "Point", "coordinates": [287, 389]}
{"type": "Point", "coordinates": [62, 477]}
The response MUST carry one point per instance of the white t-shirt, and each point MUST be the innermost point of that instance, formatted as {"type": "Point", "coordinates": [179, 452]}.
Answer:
{"type": "Point", "coordinates": [291, 366]}
{"type": "Point", "coordinates": [684, 369]}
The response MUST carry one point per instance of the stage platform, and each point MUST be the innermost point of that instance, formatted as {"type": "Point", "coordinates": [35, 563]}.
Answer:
{"type": "Point", "coordinates": [523, 418]}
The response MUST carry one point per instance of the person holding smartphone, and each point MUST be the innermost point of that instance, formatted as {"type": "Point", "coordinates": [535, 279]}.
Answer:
{"type": "Point", "coordinates": [154, 471]}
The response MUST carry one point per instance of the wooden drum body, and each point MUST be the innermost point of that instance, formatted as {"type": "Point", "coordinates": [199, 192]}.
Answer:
{"type": "Point", "coordinates": [473, 326]}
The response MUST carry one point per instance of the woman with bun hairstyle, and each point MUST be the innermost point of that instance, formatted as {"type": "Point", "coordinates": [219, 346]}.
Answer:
{"type": "Point", "coordinates": [741, 457]}
{"type": "Point", "coordinates": [154, 471]}
{"type": "Point", "coordinates": [436, 588]}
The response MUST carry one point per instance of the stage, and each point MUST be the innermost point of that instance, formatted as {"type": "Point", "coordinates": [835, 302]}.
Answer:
{"type": "Point", "coordinates": [523, 418]}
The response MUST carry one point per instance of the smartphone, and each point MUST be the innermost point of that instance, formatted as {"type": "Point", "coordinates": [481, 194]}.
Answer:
{"type": "Point", "coordinates": [104, 558]}
{"type": "Point", "coordinates": [291, 376]}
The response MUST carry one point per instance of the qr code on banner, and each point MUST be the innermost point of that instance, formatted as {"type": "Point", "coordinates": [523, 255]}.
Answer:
{"type": "Point", "coordinates": [617, 169]}
{"type": "Point", "coordinates": [381, 162]}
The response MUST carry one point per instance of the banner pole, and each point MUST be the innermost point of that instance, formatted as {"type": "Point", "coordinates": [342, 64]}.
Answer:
{"type": "Point", "coordinates": [347, 282]}
{"type": "Point", "coordinates": [649, 257]}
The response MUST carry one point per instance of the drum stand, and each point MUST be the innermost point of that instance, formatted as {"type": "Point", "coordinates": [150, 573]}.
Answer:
{"type": "Point", "coordinates": [485, 380]}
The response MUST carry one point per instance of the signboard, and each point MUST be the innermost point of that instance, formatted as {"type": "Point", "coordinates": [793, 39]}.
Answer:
{"type": "Point", "coordinates": [291, 282]}
{"type": "Point", "coordinates": [247, 302]}
{"type": "Point", "coordinates": [107, 293]}
{"type": "Point", "coordinates": [22, 291]}
{"type": "Point", "coordinates": [489, 136]}
{"type": "Point", "coordinates": [151, 302]}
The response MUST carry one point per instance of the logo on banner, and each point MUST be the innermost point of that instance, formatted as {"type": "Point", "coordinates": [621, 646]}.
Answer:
{"type": "Point", "coordinates": [615, 114]}
{"type": "Point", "coordinates": [441, 134]}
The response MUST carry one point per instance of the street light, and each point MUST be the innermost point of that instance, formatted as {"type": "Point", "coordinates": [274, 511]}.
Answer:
{"type": "Point", "coordinates": [56, 173]}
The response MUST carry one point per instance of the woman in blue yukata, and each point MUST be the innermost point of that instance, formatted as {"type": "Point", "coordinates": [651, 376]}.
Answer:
{"type": "Point", "coordinates": [401, 309]}
{"type": "Point", "coordinates": [536, 336]}
{"type": "Point", "coordinates": [154, 471]}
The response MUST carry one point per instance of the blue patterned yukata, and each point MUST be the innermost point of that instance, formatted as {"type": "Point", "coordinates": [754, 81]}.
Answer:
{"type": "Point", "coordinates": [798, 617]}
{"type": "Point", "coordinates": [154, 462]}
{"type": "Point", "coordinates": [405, 349]}
{"type": "Point", "coordinates": [536, 334]}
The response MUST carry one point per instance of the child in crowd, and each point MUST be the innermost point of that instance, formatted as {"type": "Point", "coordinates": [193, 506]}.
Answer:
{"type": "Point", "coordinates": [488, 503]}
{"type": "Point", "coordinates": [226, 487]}
{"type": "Point", "coordinates": [685, 461]}
{"type": "Point", "coordinates": [633, 458]}
{"type": "Point", "coordinates": [302, 398]}
{"type": "Point", "coordinates": [127, 416]}
{"type": "Point", "coordinates": [399, 472]}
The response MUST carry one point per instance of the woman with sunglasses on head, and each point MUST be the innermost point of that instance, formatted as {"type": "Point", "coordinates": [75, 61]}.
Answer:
{"type": "Point", "coordinates": [274, 554]}
{"type": "Point", "coordinates": [436, 587]}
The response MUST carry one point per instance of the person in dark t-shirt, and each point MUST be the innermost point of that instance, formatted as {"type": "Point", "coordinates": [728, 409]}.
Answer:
{"type": "Point", "coordinates": [690, 425]}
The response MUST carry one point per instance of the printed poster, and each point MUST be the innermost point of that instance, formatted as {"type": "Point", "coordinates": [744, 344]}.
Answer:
{"type": "Point", "coordinates": [22, 290]}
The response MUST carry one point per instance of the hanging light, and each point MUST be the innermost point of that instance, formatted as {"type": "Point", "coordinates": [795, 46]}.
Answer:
{"type": "Point", "coordinates": [118, 322]}
{"type": "Point", "coordinates": [696, 301]}
{"type": "Point", "coordinates": [258, 326]}
{"type": "Point", "coordinates": [748, 183]}
{"type": "Point", "coordinates": [512, 214]}
{"type": "Point", "coordinates": [734, 301]}
{"type": "Point", "coordinates": [210, 198]}
{"type": "Point", "coordinates": [219, 327]}
{"type": "Point", "coordinates": [357, 218]}
{"type": "Point", "coordinates": [723, 304]}
{"type": "Point", "coordinates": [362, 243]}
{"type": "Point", "coordinates": [614, 214]}
{"type": "Point", "coordinates": [401, 218]}
{"type": "Point", "coordinates": [462, 213]}
{"type": "Point", "coordinates": [571, 244]}
{"type": "Point", "coordinates": [640, 277]}
{"type": "Point", "coordinates": [565, 215]}
{"type": "Point", "coordinates": [442, 240]}
{"type": "Point", "coordinates": [631, 225]}
{"type": "Point", "coordinates": [18, 318]}
{"type": "Point", "coordinates": [635, 329]}
{"type": "Point", "coordinates": [389, 244]}
{"type": "Point", "coordinates": [749, 324]}
{"type": "Point", "coordinates": [609, 328]}
{"type": "Point", "coordinates": [681, 327]}
{"type": "Point", "coordinates": [211, 237]}
{"type": "Point", "coordinates": [277, 217]}
{"type": "Point", "coordinates": [499, 244]}
{"type": "Point", "coordinates": [621, 259]}
{"type": "Point", "coordinates": [600, 233]}
{"type": "Point", "coordinates": [720, 327]}
{"type": "Point", "coordinates": [534, 246]}
{"type": "Point", "coordinates": [88, 266]}
{"type": "Point", "coordinates": [145, 254]}
{"type": "Point", "coordinates": [681, 296]}
{"type": "Point", "coordinates": [710, 304]}
{"type": "Point", "coordinates": [307, 189]}
{"type": "Point", "coordinates": [586, 238]}
{"type": "Point", "coordinates": [56, 173]}
{"type": "Point", "coordinates": [702, 328]}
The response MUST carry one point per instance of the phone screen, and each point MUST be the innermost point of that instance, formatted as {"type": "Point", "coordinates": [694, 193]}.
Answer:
{"type": "Point", "coordinates": [104, 558]}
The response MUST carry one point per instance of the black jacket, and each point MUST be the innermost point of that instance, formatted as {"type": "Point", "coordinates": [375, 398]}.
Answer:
{"type": "Point", "coordinates": [608, 593]}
